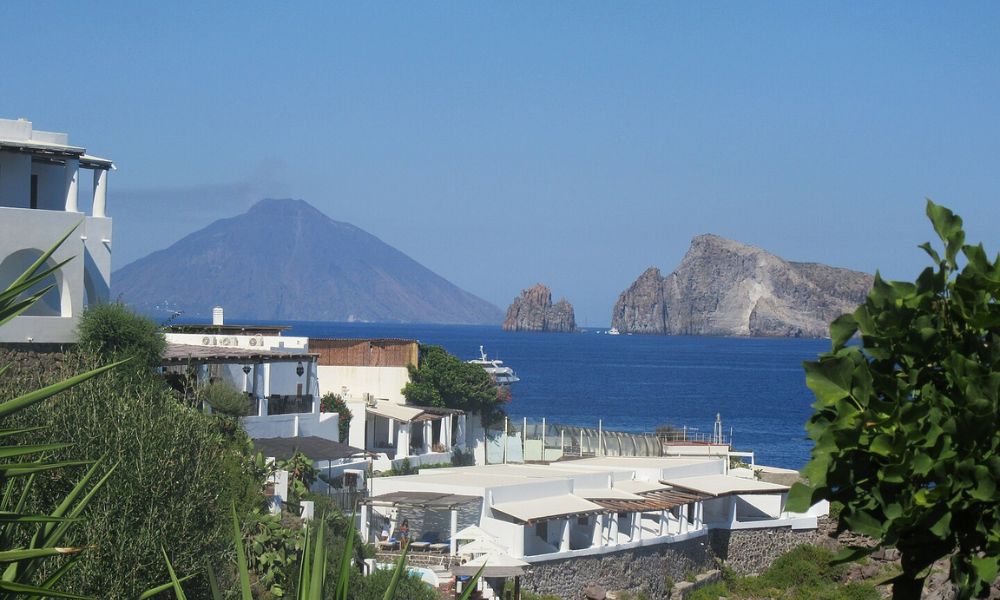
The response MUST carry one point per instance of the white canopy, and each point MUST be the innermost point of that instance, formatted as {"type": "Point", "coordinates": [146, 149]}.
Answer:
{"type": "Point", "coordinates": [549, 507]}
{"type": "Point", "coordinates": [481, 546]}
{"type": "Point", "coordinates": [721, 485]}
{"type": "Point", "coordinates": [473, 532]}
{"type": "Point", "coordinates": [398, 412]}
{"type": "Point", "coordinates": [497, 565]}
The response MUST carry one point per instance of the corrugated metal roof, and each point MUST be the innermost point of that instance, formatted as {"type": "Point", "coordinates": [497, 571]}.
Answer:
{"type": "Point", "coordinates": [314, 447]}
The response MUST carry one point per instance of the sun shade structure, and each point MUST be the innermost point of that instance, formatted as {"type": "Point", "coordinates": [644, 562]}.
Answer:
{"type": "Point", "coordinates": [394, 411]}
{"type": "Point", "coordinates": [638, 487]}
{"type": "Point", "coordinates": [481, 546]}
{"type": "Point", "coordinates": [183, 354]}
{"type": "Point", "coordinates": [550, 507]}
{"type": "Point", "coordinates": [422, 499]}
{"type": "Point", "coordinates": [723, 485]}
{"type": "Point", "coordinates": [473, 532]}
{"type": "Point", "coordinates": [497, 565]}
{"type": "Point", "coordinates": [650, 501]}
{"type": "Point", "coordinates": [313, 447]}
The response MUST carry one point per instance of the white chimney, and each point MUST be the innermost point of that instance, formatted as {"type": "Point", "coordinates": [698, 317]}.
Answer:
{"type": "Point", "coordinates": [217, 316]}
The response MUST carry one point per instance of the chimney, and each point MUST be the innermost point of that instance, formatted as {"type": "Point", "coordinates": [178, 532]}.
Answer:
{"type": "Point", "coordinates": [217, 316]}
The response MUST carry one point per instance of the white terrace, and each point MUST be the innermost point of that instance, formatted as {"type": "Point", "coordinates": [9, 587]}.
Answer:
{"type": "Point", "coordinates": [577, 508]}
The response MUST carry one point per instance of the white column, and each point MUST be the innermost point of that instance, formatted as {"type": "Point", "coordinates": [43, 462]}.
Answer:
{"type": "Point", "coordinates": [460, 434]}
{"type": "Point", "coordinates": [564, 542]}
{"type": "Point", "coordinates": [428, 434]}
{"type": "Point", "coordinates": [100, 192]}
{"type": "Point", "coordinates": [613, 530]}
{"type": "Point", "coordinates": [698, 506]}
{"type": "Point", "coordinates": [452, 543]}
{"type": "Point", "coordinates": [598, 531]}
{"type": "Point", "coordinates": [365, 526]}
{"type": "Point", "coordinates": [684, 519]}
{"type": "Point", "coordinates": [636, 527]}
{"type": "Point", "coordinates": [732, 510]}
{"type": "Point", "coordinates": [72, 179]}
{"type": "Point", "coordinates": [664, 521]}
{"type": "Point", "coordinates": [403, 441]}
{"type": "Point", "coordinates": [518, 550]}
{"type": "Point", "coordinates": [446, 432]}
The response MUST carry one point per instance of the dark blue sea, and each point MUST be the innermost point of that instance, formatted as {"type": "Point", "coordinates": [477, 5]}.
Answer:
{"type": "Point", "coordinates": [634, 383]}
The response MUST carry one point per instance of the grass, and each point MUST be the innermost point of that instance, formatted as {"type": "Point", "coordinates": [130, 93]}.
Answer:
{"type": "Point", "coordinates": [804, 573]}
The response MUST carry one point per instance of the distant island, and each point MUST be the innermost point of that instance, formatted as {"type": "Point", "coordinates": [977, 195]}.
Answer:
{"type": "Point", "coordinates": [723, 287]}
{"type": "Point", "coordinates": [285, 260]}
{"type": "Point", "coordinates": [533, 310]}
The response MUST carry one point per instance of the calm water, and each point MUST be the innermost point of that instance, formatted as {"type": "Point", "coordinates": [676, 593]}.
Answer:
{"type": "Point", "coordinates": [635, 383]}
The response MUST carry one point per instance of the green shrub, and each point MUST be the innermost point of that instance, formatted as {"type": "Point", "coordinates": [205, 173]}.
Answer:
{"type": "Point", "coordinates": [712, 591]}
{"type": "Point", "coordinates": [176, 478]}
{"type": "Point", "coordinates": [410, 587]}
{"type": "Point", "coordinates": [225, 399]}
{"type": "Point", "coordinates": [331, 402]}
{"type": "Point", "coordinates": [115, 331]}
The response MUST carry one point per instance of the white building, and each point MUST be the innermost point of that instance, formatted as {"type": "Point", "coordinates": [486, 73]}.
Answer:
{"type": "Point", "coordinates": [587, 507]}
{"type": "Point", "coordinates": [40, 200]}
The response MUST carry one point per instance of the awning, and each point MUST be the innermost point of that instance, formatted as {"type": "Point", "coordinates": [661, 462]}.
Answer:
{"type": "Point", "coordinates": [391, 410]}
{"type": "Point", "coordinates": [607, 493]}
{"type": "Point", "coordinates": [550, 507]}
{"type": "Point", "coordinates": [480, 546]}
{"type": "Point", "coordinates": [422, 499]}
{"type": "Point", "coordinates": [723, 485]}
{"type": "Point", "coordinates": [635, 486]}
{"type": "Point", "coordinates": [497, 565]}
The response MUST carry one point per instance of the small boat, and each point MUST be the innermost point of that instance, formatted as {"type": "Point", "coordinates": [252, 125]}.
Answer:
{"type": "Point", "coordinates": [614, 331]}
{"type": "Point", "coordinates": [501, 375]}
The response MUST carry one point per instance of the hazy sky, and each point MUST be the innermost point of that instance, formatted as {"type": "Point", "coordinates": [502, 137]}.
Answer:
{"type": "Point", "coordinates": [509, 143]}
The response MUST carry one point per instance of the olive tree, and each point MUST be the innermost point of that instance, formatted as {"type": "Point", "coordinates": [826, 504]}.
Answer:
{"type": "Point", "coordinates": [906, 422]}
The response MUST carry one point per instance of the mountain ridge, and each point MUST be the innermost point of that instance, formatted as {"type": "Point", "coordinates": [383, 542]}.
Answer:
{"type": "Point", "coordinates": [285, 260]}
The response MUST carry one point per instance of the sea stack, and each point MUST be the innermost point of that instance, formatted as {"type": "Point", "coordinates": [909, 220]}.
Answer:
{"type": "Point", "coordinates": [727, 288]}
{"type": "Point", "coordinates": [533, 310]}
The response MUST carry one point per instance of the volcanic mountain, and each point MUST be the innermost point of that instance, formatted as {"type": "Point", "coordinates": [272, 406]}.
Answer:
{"type": "Point", "coordinates": [285, 260]}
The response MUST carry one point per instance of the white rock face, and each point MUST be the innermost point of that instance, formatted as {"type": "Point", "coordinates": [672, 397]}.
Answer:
{"type": "Point", "coordinates": [724, 287]}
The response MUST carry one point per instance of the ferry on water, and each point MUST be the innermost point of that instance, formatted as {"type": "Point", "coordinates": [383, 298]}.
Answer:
{"type": "Point", "coordinates": [501, 375]}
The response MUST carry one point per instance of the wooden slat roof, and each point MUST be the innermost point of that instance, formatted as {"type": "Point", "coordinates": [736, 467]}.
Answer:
{"type": "Point", "coordinates": [422, 499]}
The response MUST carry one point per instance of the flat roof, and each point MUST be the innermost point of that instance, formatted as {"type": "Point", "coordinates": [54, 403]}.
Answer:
{"type": "Point", "coordinates": [175, 354]}
{"type": "Point", "coordinates": [721, 485]}
{"type": "Point", "coordinates": [422, 499]}
{"type": "Point", "coordinates": [650, 501]}
{"type": "Point", "coordinates": [635, 486]}
{"type": "Point", "coordinates": [314, 447]}
{"type": "Point", "coordinates": [644, 462]}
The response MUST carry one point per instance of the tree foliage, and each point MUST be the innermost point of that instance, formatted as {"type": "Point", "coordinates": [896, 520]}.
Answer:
{"type": "Point", "coordinates": [906, 424]}
{"type": "Point", "coordinates": [446, 381]}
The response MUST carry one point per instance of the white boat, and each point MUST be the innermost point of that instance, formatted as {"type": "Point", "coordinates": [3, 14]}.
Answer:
{"type": "Point", "coordinates": [501, 375]}
{"type": "Point", "coordinates": [614, 331]}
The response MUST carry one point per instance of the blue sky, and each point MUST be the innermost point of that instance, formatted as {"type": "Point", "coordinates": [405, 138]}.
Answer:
{"type": "Point", "coordinates": [504, 144]}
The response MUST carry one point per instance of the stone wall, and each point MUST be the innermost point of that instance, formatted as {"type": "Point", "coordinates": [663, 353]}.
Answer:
{"type": "Point", "coordinates": [751, 551]}
{"type": "Point", "coordinates": [651, 570]}
{"type": "Point", "coordinates": [32, 366]}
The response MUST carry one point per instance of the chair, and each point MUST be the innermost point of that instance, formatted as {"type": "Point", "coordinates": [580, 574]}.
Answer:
{"type": "Point", "coordinates": [425, 541]}
{"type": "Point", "coordinates": [387, 542]}
{"type": "Point", "coordinates": [444, 546]}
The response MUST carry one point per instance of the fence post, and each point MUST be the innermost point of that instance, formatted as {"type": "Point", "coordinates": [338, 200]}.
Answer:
{"type": "Point", "coordinates": [600, 438]}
